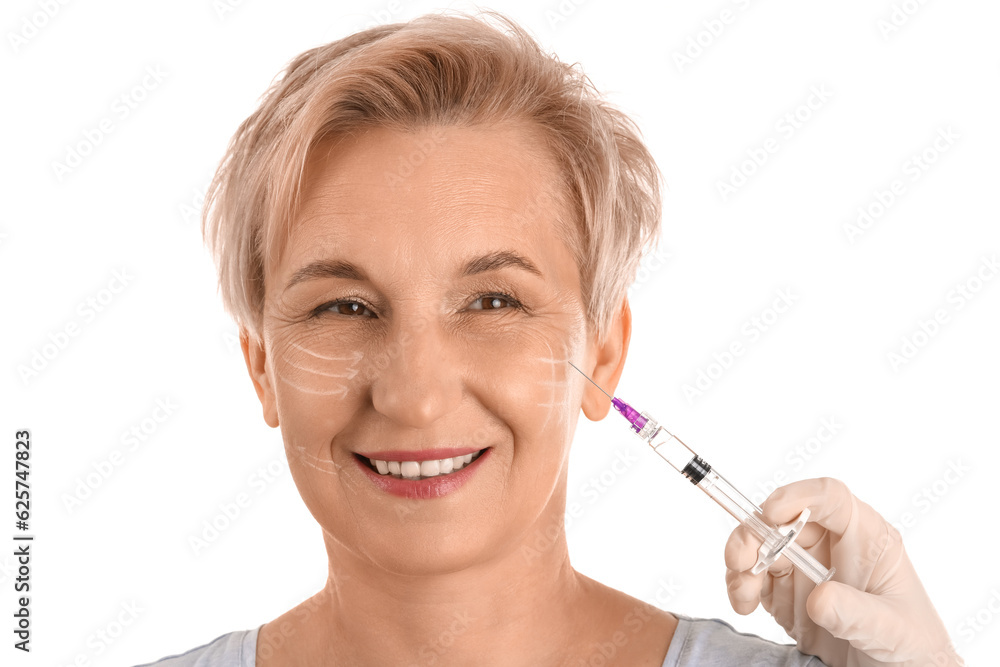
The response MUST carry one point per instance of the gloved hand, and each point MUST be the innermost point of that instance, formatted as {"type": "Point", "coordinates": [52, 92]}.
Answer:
{"type": "Point", "coordinates": [873, 612]}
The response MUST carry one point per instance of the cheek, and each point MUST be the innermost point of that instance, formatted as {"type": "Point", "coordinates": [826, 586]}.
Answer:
{"type": "Point", "coordinates": [316, 382]}
{"type": "Point", "coordinates": [532, 384]}
{"type": "Point", "coordinates": [313, 379]}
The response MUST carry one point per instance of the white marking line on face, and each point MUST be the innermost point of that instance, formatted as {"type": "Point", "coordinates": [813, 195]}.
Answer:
{"type": "Point", "coordinates": [341, 391]}
{"type": "Point", "coordinates": [563, 406]}
{"type": "Point", "coordinates": [355, 356]}
{"type": "Point", "coordinates": [345, 479]}
{"type": "Point", "coordinates": [310, 459]}
{"type": "Point", "coordinates": [351, 372]}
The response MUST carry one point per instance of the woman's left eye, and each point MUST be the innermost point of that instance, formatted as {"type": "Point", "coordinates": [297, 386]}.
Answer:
{"type": "Point", "coordinates": [494, 302]}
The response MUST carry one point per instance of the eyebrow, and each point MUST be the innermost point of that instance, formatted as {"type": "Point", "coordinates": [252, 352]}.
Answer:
{"type": "Point", "coordinates": [335, 268]}
{"type": "Point", "coordinates": [498, 260]}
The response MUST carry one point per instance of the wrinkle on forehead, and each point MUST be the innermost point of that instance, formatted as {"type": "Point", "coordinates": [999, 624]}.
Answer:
{"type": "Point", "coordinates": [326, 184]}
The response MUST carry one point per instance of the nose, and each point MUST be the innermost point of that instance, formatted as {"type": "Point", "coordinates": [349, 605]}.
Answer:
{"type": "Point", "coordinates": [416, 377]}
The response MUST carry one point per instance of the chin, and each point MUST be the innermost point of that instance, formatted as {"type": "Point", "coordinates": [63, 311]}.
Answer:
{"type": "Point", "coordinates": [427, 550]}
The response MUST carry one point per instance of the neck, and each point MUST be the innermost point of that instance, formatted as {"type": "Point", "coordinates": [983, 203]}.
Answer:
{"type": "Point", "coordinates": [513, 609]}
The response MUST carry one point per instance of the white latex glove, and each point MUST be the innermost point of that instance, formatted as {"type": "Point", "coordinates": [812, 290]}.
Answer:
{"type": "Point", "coordinates": [873, 612]}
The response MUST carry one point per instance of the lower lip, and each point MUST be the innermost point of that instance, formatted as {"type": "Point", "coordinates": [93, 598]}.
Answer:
{"type": "Point", "coordinates": [424, 489]}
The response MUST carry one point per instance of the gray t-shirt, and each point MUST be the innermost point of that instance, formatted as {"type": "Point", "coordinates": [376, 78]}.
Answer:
{"type": "Point", "coordinates": [697, 642]}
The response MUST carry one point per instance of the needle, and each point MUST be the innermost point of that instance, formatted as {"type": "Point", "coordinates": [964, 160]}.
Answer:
{"type": "Point", "coordinates": [592, 382]}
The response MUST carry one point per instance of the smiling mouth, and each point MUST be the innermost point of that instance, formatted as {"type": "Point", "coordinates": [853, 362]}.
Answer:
{"type": "Point", "coordinates": [418, 470]}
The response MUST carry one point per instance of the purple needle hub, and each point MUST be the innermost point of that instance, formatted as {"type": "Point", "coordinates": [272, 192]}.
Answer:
{"type": "Point", "coordinates": [631, 414]}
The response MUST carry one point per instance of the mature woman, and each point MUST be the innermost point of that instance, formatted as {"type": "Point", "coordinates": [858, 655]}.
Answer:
{"type": "Point", "coordinates": [417, 230]}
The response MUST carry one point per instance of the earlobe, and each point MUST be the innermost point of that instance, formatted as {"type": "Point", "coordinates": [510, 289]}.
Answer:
{"type": "Point", "coordinates": [608, 365]}
{"type": "Point", "coordinates": [256, 359]}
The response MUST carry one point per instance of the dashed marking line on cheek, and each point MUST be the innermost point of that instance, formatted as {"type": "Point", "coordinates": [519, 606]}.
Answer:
{"type": "Point", "coordinates": [312, 460]}
{"type": "Point", "coordinates": [306, 374]}
{"type": "Point", "coordinates": [341, 390]}
{"type": "Point", "coordinates": [345, 479]}
{"type": "Point", "coordinates": [355, 356]}
{"type": "Point", "coordinates": [560, 407]}
{"type": "Point", "coordinates": [327, 466]}
{"type": "Point", "coordinates": [351, 372]}
{"type": "Point", "coordinates": [552, 361]}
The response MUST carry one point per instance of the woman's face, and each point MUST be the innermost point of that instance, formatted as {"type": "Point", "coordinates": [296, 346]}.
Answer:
{"type": "Point", "coordinates": [427, 301]}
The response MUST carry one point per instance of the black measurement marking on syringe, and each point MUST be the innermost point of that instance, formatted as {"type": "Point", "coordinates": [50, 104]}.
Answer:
{"type": "Point", "coordinates": [696, 469]}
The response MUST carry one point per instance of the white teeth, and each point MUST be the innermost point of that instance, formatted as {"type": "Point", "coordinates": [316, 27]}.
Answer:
{"type": "Point", "coordinates": [423, 469]}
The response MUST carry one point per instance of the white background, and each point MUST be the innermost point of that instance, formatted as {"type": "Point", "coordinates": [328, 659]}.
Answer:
{"type": "Point", "coordinates": [130, 206]}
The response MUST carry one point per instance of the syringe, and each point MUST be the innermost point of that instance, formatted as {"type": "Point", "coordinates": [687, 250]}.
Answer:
{"type": "Point", "coordinates": [776, 541]}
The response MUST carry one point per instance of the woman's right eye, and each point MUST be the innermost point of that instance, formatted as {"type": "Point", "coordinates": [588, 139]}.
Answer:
{"type": "Point", "coordinates": [350, 308]}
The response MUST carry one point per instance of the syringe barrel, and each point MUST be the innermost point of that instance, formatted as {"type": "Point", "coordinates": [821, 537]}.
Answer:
{"type": "Point", "coordinates": [697, 470]}
{"type": "Point", "coordinates": [717, 487]}
{"type": "Point", "coordinates": [734, 502]}
{"type": "Point", "coordinates": [670, 448]}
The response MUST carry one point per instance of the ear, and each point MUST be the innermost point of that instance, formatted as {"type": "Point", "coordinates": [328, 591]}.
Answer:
{"type": "Point", "coordinates": [256, 358]}
{"type": "Point", "coordinates": [608, 365]}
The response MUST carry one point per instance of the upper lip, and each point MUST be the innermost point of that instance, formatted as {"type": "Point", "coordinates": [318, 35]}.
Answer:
{"type": "Point", "coordinates": [418, 454]}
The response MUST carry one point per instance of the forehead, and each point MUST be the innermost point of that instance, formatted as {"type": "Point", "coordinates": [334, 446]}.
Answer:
{"type": "Point", "coordinates": [431, 194]}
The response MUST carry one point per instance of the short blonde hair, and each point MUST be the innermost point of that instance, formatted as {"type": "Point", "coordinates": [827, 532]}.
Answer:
{"type": "Point", "coordinates": [438, 69]}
